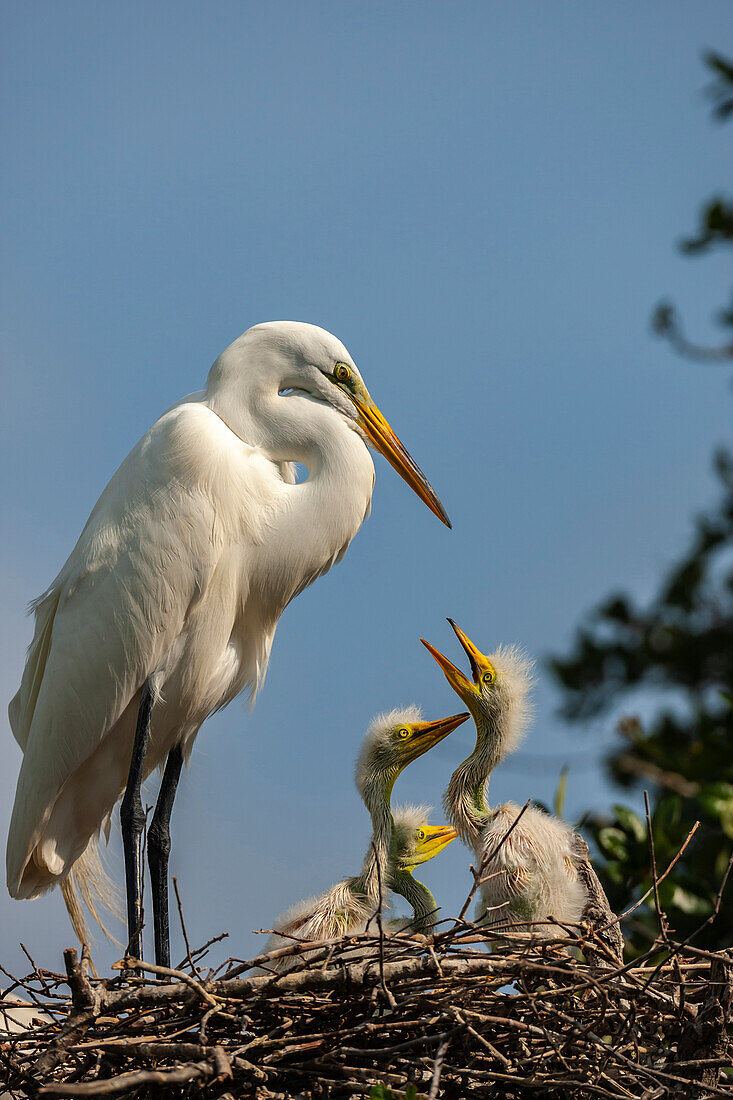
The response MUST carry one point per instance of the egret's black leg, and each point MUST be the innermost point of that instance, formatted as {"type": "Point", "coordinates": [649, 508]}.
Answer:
{"type": "Point", "coordinates": [159, 847]}
{"type": "Point", "coordinates": [132, 820]}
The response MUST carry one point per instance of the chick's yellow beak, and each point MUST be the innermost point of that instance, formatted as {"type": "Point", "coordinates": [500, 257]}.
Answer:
{"type": "Point", "coordinates": [427, 734]}
{"type": "Point", "coordinates": [379, 433]}
{"type": "Point", "coordinates": [437, 837]}
{"type": "Point", "coordinates": [479, 661]}
{"type": "Point", "coordinates": [460, 683]}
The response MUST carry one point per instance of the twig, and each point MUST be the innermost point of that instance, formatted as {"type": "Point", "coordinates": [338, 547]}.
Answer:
{"type": "Point", "coordinates": [380, 925]}
{"type": "Point", "coordinates": [661, 917]}
{"type": "Point", "coordinates": [477, 879]}
{"type": "Point", "coordinates": [437, 1067]}
{"type": "Point", "coordinates": [126, 1082]}
{"type": "Point", "coordinates": [189, 957]}
{"type": "Point", "coordinates": [637, 904]}
{"type": "Point", "coordinates": [129, 963]}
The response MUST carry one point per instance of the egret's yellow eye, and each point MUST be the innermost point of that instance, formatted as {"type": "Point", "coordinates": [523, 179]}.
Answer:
{"type": "Point", "coordinates": [420, 834]}
{"type": "Point", "coordinates": [341, 372]}
{"type": "Point", "coordinates": [488, 677]}
{"type": "Point", "coordinates": [402, 734]}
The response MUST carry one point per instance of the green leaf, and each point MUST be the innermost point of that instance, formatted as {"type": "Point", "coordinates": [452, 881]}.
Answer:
{"type": "Point", "coordinates": [613, 842]}
{"type": "Point", "coordinates": [717, 799]}
{"type": "Point", "coordinates": [558, 804]}
{"type": "Point", "coordinates": [383, 1092]}
{"type": "Point", "coordinates": [690, 903]}
{"type": "Point", "coordinates": [631, 822]}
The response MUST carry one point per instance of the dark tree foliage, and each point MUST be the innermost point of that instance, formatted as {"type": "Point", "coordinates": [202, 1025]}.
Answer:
{"type": "Point", "coordinates": [675, 654]}
{"type": "Point", "coordinates": [715, 229]}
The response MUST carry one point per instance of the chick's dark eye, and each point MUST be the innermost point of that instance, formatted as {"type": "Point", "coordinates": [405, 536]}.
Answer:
{"type": "Point", "coordinates": [341, 372]}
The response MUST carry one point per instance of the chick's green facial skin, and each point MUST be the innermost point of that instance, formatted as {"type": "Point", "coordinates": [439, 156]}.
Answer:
{"type": "Point", "coordinates": [431, 840]}
{"type": "Point", "coordinates": [380, 435]}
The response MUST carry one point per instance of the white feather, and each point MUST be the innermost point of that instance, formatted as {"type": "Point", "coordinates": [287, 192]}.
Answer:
{"type": "Point", "coordinates": [181, 573]}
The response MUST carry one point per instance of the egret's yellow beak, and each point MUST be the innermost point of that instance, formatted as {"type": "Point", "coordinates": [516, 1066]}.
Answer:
{"type": "Point", "coordinates": [427, 734]}
{"type": "Point", "coordinates": [379, 433]}
{"type": "Point", "coordinates": [437, 837]}
{"type": "Point", "coordinates": [460, 683]}
{"type": "Point", "coordinates": [478, 661]}
{"type": "Point", "coordinates": [467, 689]}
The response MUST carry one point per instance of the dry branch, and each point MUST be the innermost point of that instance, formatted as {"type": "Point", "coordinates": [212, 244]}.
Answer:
{"type": "Point", "coordinates": [455, 1015]}
{"type": "Point", "coordinates": [527, 1019]}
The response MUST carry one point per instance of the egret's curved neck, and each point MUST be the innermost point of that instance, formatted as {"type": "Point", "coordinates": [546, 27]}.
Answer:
{"type": "Point", "coordinates": [321, 515]}
{"type": "Point", "coordinates": [466, 798]}
{"type": "Point", "coordinates": [377, 794]}
{"type": "Point", "coordinates": [418, 896]}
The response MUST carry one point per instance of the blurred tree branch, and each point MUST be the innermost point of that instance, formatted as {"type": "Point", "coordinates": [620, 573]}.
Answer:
{"type": "Point", "coordinates": [678, 650]}
{"type": "Point", "coordinates": [715, 228]}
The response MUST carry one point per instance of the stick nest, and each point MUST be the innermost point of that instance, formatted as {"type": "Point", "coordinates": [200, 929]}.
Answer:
{"type": "Point", "coordinates": [436, 1017]}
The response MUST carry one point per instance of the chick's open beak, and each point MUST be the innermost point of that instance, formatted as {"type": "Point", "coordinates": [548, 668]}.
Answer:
{"type": "Point", "coordinates": [476, 658]}
{"type": "Point", "coordinates": [460, 683]}
{"type": "Point", "coordinates": [379, 433]}
{"type": "Point", "coordinates": [437, 837]}
{"type": "Point", "coordinates": [427, 734]}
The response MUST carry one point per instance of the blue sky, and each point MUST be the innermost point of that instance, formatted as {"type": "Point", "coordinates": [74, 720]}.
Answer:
{"type": "Point", "coordinates": [482, 202]}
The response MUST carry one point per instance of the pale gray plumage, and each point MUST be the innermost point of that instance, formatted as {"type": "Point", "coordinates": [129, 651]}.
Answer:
{"type": "Point", "coordinates": [410, 825]}
{"type": "Point", "coordinates": [392, 741]}
{"type": "Point", "coordinates": [348, 906]}
{"type": "Point", "coordinates": [532, 876]}
{"type": "Point", "coordinates": [377, 767]}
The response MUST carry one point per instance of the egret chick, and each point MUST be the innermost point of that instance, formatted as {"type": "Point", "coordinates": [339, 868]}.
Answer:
{"type": "Point", "coordinates": [392, 742]}
{"type": "Point", "coordinates": [534, 875]}
{"type": "Point", "coordinates": [414, 842]}
{"type": "Point", "coordinates": [347, 907]}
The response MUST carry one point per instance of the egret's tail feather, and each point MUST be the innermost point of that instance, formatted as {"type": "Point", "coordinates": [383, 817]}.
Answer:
{"type": "Point", "coordinates": [89, 889]}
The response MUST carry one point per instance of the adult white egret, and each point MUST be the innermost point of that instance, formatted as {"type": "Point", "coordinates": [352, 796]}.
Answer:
{"type": "Point", "coordinates": [167, 607]}
{"type": "Point", "coordinates": [537, 873]}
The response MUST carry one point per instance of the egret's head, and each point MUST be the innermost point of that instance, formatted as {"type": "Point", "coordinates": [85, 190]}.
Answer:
{"type": "Point", "coordinates": [299, 361]}
{"type": "Point", "coordinates": [393, 741]}
{"type": "Point", "coordinates": [414, 841]}
{"type": "Point", "coordinates": [498, 687]}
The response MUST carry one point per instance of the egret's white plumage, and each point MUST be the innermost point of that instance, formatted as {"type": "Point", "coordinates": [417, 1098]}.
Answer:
{"type": "Point", "coordinates": [18, 1015]}
{"type": "Point", "coordinates": [198, 543]}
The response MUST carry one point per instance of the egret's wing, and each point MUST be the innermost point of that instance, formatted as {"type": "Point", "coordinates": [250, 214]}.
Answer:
{"type": "Point", "coordinates": [188, 493]}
